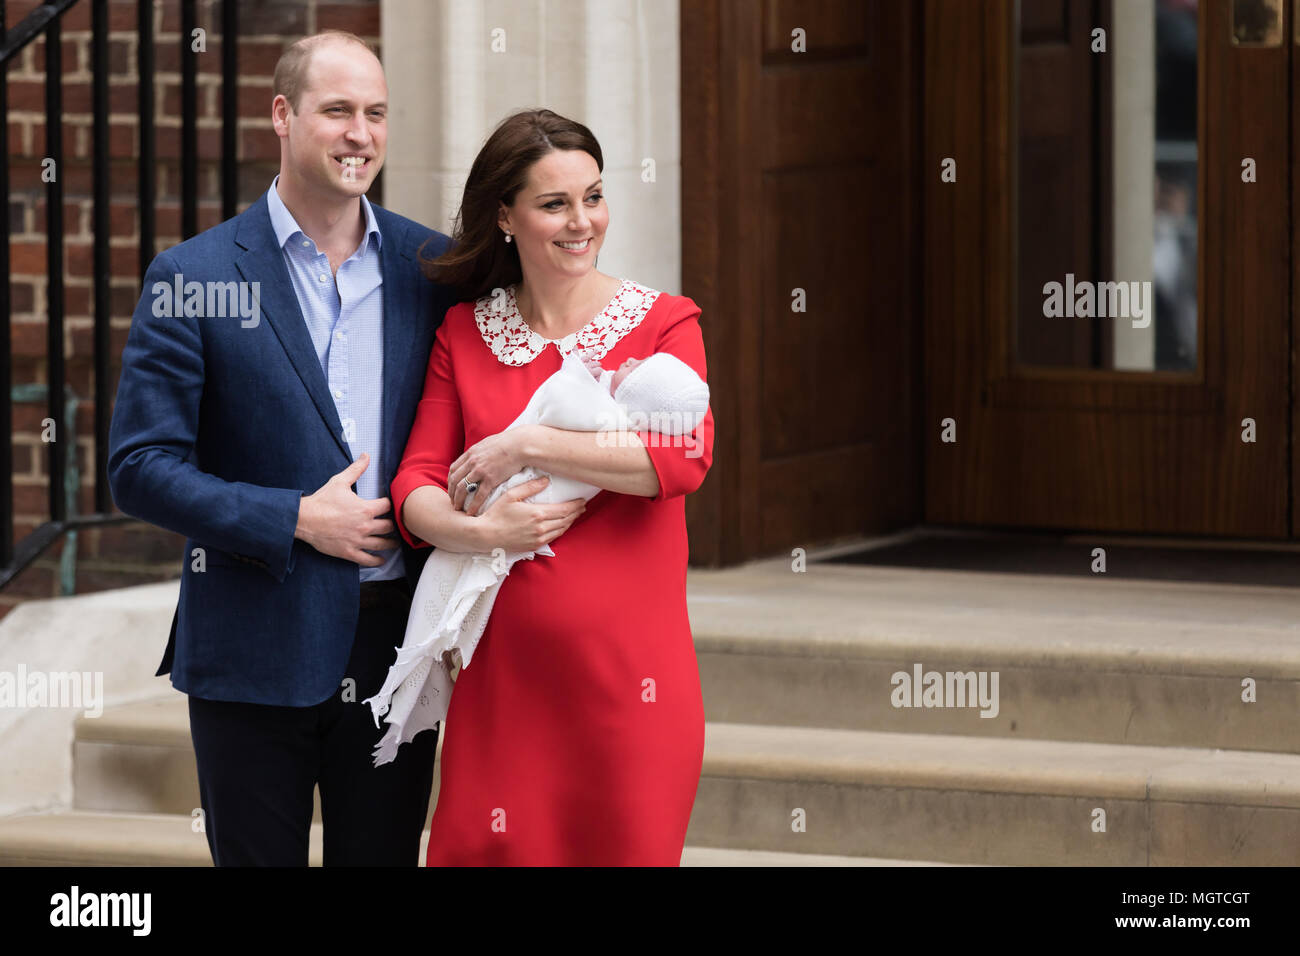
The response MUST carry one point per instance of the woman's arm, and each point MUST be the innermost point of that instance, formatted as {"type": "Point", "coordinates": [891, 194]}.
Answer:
{"type": "Point", "coordinates": [621, 460]}
{"type": "Point", "coordinates": [428, 515]}
{"type": "Point", "coordinates": [614, 461]}
{"type": "Point", "coordinates": [421, 506]}
{"type": "Point", "coordinates": [681, 461]}
{"type": "Point", "coordinates": [510, 524]}
{"type": "Point", "coordinates": [622, 465]}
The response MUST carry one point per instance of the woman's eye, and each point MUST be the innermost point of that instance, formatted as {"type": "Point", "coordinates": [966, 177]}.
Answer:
{"type": "Point", "coordinates": [557, 203]}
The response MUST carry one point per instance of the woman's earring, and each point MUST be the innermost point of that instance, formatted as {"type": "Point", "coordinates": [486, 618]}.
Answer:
{"type": "Point", "coordinates": [508, 236]}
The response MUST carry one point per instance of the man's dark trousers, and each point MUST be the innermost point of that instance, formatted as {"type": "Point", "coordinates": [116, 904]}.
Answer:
{"type": "Point", "coordinates": [259, 764]}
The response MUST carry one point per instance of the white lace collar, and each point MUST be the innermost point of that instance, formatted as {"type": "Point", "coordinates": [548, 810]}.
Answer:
{"type": "Point", "coordinates": [514, 343]}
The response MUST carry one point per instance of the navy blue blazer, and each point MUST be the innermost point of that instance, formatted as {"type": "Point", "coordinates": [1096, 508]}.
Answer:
{"type": "Point", "coordinates": [222, 424]}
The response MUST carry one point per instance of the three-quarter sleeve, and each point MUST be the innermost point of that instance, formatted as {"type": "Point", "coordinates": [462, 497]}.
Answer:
{"type": "Point", "coordinates": [437, 435]}
{"type": "Point", "coordinates": [682, 461]}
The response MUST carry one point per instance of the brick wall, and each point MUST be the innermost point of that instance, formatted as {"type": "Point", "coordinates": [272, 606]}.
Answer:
{"type": "Point", "coordinates": [134, 553]}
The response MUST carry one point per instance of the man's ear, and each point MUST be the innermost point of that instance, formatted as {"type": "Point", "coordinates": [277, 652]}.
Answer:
{"type": "Point", "coordinates": [280, 111]}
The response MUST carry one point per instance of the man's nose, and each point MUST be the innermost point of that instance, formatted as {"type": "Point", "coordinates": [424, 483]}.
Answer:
{"type": "Point", "coordinates": [358, 131]}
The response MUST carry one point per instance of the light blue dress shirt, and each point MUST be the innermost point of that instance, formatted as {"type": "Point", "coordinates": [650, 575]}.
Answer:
{"type": "Point", "coordinates": [345, 316]}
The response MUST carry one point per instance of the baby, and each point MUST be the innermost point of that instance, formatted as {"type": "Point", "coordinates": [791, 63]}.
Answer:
{"type": "Point", "coordinates": [454, 597]}
{"type": "Point", "coordinates": [615, 378]}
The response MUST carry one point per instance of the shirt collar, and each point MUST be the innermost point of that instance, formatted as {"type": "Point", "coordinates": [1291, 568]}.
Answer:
{"type": "Point", "coordinates": [286, 227]}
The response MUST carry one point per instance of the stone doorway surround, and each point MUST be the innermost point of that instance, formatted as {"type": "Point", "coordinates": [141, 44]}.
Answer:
{"type": "Point", "coordinates": [457, 69]}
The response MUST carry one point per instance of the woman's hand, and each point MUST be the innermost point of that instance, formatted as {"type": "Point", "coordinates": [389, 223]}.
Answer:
{"type": "Point", "coordinates": [489, 463]}
{"type": "Point", "coordinates": [518, 525]}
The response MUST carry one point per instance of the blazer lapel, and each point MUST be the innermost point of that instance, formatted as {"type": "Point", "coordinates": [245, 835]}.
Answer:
{"type": "Point", "coordinates": [399, 271]}
{"type": "Point", "coordinates": [263, 262]}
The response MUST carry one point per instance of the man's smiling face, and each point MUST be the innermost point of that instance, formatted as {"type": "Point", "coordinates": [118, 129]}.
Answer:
{"type": "Point", "coordinates": [338, 136]}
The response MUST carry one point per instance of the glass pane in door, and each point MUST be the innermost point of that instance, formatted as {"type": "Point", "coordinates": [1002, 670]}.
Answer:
{"type": "Point", "coordinates": [1107, 184]}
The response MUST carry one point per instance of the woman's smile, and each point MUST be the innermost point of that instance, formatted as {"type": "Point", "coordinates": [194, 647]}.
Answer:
{"type": "Point", "coordinates": [577, 248]}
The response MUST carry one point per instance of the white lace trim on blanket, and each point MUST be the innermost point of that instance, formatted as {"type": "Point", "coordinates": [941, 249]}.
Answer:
{"type": "Point", "coordinates": [514, 343]}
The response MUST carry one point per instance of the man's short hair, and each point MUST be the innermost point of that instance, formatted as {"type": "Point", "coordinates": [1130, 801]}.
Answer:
{"type": "Point", "coordinates": [291, 69]}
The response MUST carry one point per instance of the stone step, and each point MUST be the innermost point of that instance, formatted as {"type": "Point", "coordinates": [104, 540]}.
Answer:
{"type": "Point", "coordinates": [81, 838]}
{"type": "Point", "coordinates": [713, 856]}
{"type": "Point", "coordinates": [1078, 659]}
{"type": "Point", "coordinates": [84, 838]}
{"type": "Point", "coordinates": [871, 794]}
{"type": "Point", "coordinates": [993, 801]}
{"type": "Point", "coordinates": [138, 758]}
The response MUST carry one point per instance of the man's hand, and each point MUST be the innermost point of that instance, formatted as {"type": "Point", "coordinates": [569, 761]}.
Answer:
{"type": "Point", "coordinates": [335, 521]}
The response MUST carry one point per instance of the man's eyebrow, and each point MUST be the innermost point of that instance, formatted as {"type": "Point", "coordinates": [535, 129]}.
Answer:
{"type": "Point", "coordinates": [592, 186]}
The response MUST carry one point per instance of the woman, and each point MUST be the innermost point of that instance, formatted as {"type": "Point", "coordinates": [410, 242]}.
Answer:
{"type": "Point", "coordinates": [576, 736]}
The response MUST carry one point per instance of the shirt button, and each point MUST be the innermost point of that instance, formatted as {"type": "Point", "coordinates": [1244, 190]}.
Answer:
{"type": "Point", "coordinates": [323, 277]}
{"type": "Point", "coordinates": [306, 242]}
{"type": "Point", "coordinates": [339, 336]}
{"type": "Point", "coordinates": [338, 393]}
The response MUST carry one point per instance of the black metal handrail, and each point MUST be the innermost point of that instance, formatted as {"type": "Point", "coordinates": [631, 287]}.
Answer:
{"type": "Point", "coordinates": [45, 21]}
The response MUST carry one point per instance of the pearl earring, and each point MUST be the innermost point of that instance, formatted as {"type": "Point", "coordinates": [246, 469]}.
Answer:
{"type": "Point", "coordinates": [509, 236]}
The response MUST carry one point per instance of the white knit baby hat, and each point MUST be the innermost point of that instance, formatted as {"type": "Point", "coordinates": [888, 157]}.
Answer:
{"type": "Point", "coordinates": [667, 389]}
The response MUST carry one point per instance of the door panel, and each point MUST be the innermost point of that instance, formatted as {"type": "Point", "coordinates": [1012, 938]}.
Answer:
{"type": "Point", "coordinates": [832, 131]}
{"type": "Point", "coordinates": [800, 202]}
{"type": "Point", "coordinates": [1059, 199]}
{"type": "Point", "coordinates": [1092, 447]}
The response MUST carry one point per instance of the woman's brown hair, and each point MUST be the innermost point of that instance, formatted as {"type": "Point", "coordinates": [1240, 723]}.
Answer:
{"type": "Point", "coordinates": [479, 259]}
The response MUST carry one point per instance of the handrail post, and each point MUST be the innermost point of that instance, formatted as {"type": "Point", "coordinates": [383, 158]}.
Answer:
{"type": "Point", "coordinates": [189, 123]}
{"type": "Point", "coordinates": [6, 375]}
{"type": "Point", "coordinates": [144, 98]}
{"type": "Point", "coordinates": [103, 266]}
{"type": "Point", "coordinates": [55, 373]}
{"type": "Point", "coordinates": [229, 108]}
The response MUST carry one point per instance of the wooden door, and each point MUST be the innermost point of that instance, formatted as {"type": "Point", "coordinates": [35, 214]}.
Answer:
{"type": "Point", "coordinates": [1115, 449]}
{"type": "Point", "coordinates": [800, 199]}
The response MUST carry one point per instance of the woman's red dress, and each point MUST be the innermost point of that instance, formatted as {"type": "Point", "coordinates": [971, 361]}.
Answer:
{"type": "Point", "coordinates": [576, 735]}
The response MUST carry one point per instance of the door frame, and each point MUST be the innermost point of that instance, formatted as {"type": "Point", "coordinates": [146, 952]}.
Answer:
{"type": "Point", "coordinates": [1291, 40]}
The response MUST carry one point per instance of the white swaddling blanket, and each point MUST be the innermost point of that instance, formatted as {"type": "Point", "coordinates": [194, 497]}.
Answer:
{"type": "Point", "coordinates": [456, 591]}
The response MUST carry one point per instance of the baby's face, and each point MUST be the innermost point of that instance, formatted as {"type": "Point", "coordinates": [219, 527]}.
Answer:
{"type": "Point", "coordinates": [623, 371]}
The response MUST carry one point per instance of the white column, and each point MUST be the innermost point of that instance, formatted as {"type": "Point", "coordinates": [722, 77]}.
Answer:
{"type": "Point", "coordinates": [609, 64]}
{"type": "Point", "coordinates": [1133, 45]}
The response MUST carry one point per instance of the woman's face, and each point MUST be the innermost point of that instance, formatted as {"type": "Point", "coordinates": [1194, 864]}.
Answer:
{"type": "Point", "coordinates": [559, 217]}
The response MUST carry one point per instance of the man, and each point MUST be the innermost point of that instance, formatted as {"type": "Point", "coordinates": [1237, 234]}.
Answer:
{"type": "Point", "coordinates": [269, 435]}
